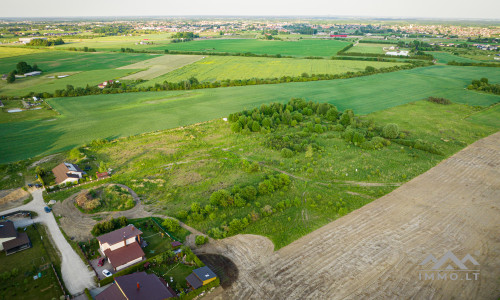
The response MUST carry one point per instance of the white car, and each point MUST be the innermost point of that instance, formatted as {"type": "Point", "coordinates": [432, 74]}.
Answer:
{"type": "Point", "coordinates": [106, 273]}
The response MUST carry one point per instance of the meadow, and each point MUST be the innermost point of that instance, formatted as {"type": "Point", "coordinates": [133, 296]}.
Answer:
{"type": "Point", "coordinates": [178, 170]}
{"type": "Point", "coordinates": [17, 51]}
{"type": "Point", "coordinates": [213, 68]}
{"type": "Point", "coordinates": [159, 65]}
{"type": "Point", "coordinates": [87, 118]}
{"type": "Point", "coordinates": [369, 48]}
{"type": "Point", "coordinates": [292, 48]}
{"type": "Point", "coordinates": [445, 57]}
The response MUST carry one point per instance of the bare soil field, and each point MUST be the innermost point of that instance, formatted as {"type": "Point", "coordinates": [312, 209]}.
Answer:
{"type": "Point", "coordinates": [12, 198]}
{"type": "Point", "coordinates": [160, 65]}
{"type": "Point", "coordinates": [375, 252]}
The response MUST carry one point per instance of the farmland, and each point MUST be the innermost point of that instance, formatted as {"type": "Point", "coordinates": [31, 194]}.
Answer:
{"type": "Point", "coordinates": [214, 68]}
{"type": "Point", "coordinates": [15, 51]}
{"type": "Point", "coordinates": [445, 57]}
{"type": "Point", "coordinates": [292, 48]}
{"type": "Point", "coordinates": [159, 65]}
{"type": "Point", "coordinates": [369, 48]}
{"type": "Point", "coordinates": [84, 119]}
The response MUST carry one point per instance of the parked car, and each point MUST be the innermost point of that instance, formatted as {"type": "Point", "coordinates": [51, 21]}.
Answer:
{"type": "Point", "coordinates": [38, 185]}
{"type": "Point", "coordinates": [101, 262]}
{"type": "Point", "coordinates": [106, 273]}
{"type": "Point", "coordinates": [47, 209]}
{"type": "Point", "coordinates": [30, 185]}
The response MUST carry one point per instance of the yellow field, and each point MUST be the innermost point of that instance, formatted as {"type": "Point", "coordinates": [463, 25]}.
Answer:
{"type": "Point", "coordinates": [160, 65]}
{"type": "Point", "coordinates": [7, 51]}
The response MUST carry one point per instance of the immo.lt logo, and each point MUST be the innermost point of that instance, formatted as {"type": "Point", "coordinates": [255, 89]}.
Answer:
{"type": "Point", "coordinates": [449, 267]}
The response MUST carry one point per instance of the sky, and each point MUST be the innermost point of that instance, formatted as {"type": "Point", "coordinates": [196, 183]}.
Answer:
{"type": "Point", "coordinates": [441, 9]}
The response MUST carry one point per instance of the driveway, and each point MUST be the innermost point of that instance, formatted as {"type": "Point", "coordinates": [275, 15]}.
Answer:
{"type": "Point", "coordinates": [76, 275]}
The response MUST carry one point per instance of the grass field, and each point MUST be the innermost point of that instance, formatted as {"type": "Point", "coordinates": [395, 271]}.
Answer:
{"type": "Point", "coordinates": [173, 169]}
{"type": "Point", "coordinates": [28, 263]}
{"type": "Point", "coordinates": [214, 68]}
{"type": "Point", "coordinates": [369, 48]}
{"type": "Point", "coordinates": [490, 117]}
{"type": "Point", "coordinates": [298, 48]}
{"type": "Point", "coordinates": [66, 61]}
{"type": "Point", "coordinates": [84, 119]}
{"type": "Point", "coordinates": [26, 115]}
{"type": "Point", "coordinates": [22, 87]}
{"type": "Point", "coordinates": [159, 65]}
{"type": "Point", "coordinates": [445, 57]}
{"type": "Point", "coordinates": [15, 51]}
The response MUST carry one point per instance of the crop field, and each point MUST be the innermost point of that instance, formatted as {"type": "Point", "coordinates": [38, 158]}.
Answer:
{"type": "Point", "coordinates": [16, 51]}
{"type": "Point", "coordinates": [214, 68]}
{"type": "Point", "coordinates": [369, 48]}
{"type": "Point", "coordinates": [41, 84]}
{"type": "Point", "coordinates": [159, 65]}
{"type": "Point", "coordinates": [296, 48]}
{"type": "Point", "coordinates": [67, 61]}
{"type": "Point", "coordinates": [84, 119]}
{"type": "Point", "coordinates": [445, 57]}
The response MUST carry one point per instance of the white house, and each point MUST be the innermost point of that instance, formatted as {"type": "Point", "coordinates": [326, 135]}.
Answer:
{"type": "Point", "coordinates": [122, 247]}
{"type": "Point", "coordinates": [67, 172]}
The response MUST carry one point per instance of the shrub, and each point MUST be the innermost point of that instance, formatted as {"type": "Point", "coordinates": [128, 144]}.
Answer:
{"type": "Point", "coordinates": [201, 240]}
{"type": "Point", "coordinates": [437, 100]}
{"type": "Point", "coordinates": [221, 197]}
{"type": "Point", "coordinates": [236, 127]}
{"type": "Point", "coordinates": [390, 131]}
{"type": "Point", "coordinates": [249, 193]}
{"type": "Point", "coordinates": [171, 224]}
{"type": "Point", "coordinates": [286, 153]}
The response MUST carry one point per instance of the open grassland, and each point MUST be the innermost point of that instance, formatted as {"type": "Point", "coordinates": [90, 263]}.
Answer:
{"type": "Point", "coordinates": [16, 51]}
{"type": "Point", "coordinates": [234, 67]}
{"type": "Point", "coordinates": [67, 61]}
{"type": "Point", "coordinates": [295, 48]}
{"type": "Point", "coordinates": [369, 48]}
{"type": "Point", "coordinates": [32, 114]}
{"type": "Point", "coordinates": [40, 84]}
{"type": "Point", "coordinates": [176, 168]}
{"type": "Point", "coordinates": [490, 117]}
{"type": "Point", "coordinates": [160, 65]}
{"type": "Point", "coordinates": [84, 119]}
{"type": "Point", "coordinates": [445, 57]}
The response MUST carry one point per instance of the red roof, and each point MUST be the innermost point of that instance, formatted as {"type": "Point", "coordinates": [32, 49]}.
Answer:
{"type": "Point", "coordinates": [102, 175]}
{"type": "Point", "coordinates": [124, 254]}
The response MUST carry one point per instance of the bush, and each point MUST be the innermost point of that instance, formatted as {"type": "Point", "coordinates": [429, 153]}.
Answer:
{"type": "Point", "coordinates": [286, 153]}
{"type": "Point", "coordinates": [443, 101]}
{"type": "Point", "coordinates": [391, 131]}
{"type": "Point", "coordinates": [201, 240]}
{"type": "Point", "coordinates": [171, 224]}
{"type": "Point", "coordinates": [221, 197]}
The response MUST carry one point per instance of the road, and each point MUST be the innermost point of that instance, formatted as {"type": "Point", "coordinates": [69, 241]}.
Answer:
{"type": "Point", "coordinates": [376, 252]}
{"type": "Point", "coordinates": [76, 275]}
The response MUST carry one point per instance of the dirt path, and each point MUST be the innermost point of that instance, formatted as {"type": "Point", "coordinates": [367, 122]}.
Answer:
{"type": "Point", "coordinates": [375, 251]}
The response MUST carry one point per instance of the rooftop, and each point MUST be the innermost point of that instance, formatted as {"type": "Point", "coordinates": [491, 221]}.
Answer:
{"type": "Point", "coordinates": [124, 254]}
{"type": "Point", "coordinates": [150, 287]}
{"type": "Point", "coordinates": [119, 235]}
{"type": "Point", "coordinates": [204, 273]}
{"type": "Point", "coordinates": [7, 229]}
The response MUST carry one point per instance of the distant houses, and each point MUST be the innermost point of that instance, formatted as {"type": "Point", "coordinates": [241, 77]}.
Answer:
{"type": "Point", "coordinates": [398, 53]}
{"type": "Point", "coordinates": [105, 84]}
{"type": "Point", "coordinates": [138, 286]}
{"type": "Point", "coordinates": [122, 247]}
{"type": "Point", "coordinates": [12, 241]}
{"type": "Point", "coordinates": [67, 172]}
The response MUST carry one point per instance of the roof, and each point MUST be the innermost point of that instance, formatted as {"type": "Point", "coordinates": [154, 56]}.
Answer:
{"type": "Point", "coordinates": [111, 293]}
{"type": "Point", "coordinates": [102, 175]}
{"type": "Point", "coordinates": [22, 239]}
{"type": "Point", "coordinates": [194, 281]}
{"type": "Point", "coordinates": [124, 254]}
{"type": "Point", "coordinates": [61, 171]}
{"type": "Point", "coordinates": [176, 244]}
{"type": "Point", "coordinates": [118, 235]}
{"type": "Point", "coordinates": [151, 287]}
{"type": "Point", "coordinates": [204, 273]}
{"type": "Point", "coordinates": [7, 229]}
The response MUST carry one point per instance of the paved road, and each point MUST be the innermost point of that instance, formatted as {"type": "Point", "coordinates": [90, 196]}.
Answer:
{"type": "Point", "coordinates": [75, 273]}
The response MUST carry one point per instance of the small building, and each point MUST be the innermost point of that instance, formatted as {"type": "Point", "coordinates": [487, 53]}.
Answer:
{"type": "Point", "coordinates": [12, 241]}
{"type": "Point", "coordinates": [1, 103]}
{"type": "Point", "coordinates": [34, 73]}
{"type": "Point", "coordinates": [67, 172]}
{"type": "Point", "coordinates": [175, 244]}
{"type": "Point", "coordinates": [398, 53]}
{"type": "Point", "coordinates": [102, 175]}
{"type": "Point", "coordinates": [138, 286]}
{"type": "Point", "coordinates": [122, 247]}
{"type": "Point", "coordinates": [105, 84]}
{"type": "Point", "coordinates": [200, 277]}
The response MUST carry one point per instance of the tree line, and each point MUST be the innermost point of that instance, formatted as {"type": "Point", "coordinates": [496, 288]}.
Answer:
{"type": "Point", "coordinates": [483, 85]}
{"type": "Point", "coordinates": [21, 68]}
{"type": "Point", "coordinates": [45, 43]}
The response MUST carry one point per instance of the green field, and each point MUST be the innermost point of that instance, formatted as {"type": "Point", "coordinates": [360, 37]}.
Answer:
{"type": "Point", "coordinates": [160, 65]}
{"type": "Point", "coordinates": [17, 51]}
{"type": "Point", "coordinates": [67, 61]}
{"type": "Point", "coordinates": [40, 84]}
{"type": "Point", "coordinates": [490, 117]}
{"type": "Point", "coordinates": [369, 48]}
{"type": "Point", "coordinates": [296, 48]}
{"type": "Point", "coordinates": [214, 68]}
{"type": "Point", "coordinates": [445, 57]}
{"type": "Point", "coordinates": [84, 119]}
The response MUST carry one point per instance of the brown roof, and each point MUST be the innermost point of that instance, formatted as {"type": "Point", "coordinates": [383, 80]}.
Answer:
{"type": "Point", "coordinates": [194, 281]}
{"type": "Point", "coordinates": [22, 239]}
{"type": "Point", "coordinates": [176, 244]}
{"type": "Point", "coordinates": [7, 229]}
{"type": "Point", "coordinates": [124, 254]}
{"type": "Point", "coordinates": [119, 235]}
{"type": "Point", "coordinates": [151, 287]}
{"type": "Point", "coordinates": [111, 293]}
{"type": "Point", "coordinates": [61, 172]}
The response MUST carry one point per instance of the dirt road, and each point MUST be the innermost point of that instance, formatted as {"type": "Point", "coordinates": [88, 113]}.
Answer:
{"type": "Point", "coordinates": [375, 251]}
{"type": "Point", "coordinates": [76, 275]}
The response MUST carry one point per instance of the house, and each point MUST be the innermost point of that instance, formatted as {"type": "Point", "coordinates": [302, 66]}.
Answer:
{"type": "Point", "coordinates": [138, 286]}
{"type": "Point", "coordinates": [4, 76]}
{"type": "Point", "coordinates": [67, 172]}
{"type": "Point", "coordinates": [200, 277]}
{"type": "Point", "coordinates": [398, 53]}
{"type": "Point", "coordinates": [12, 241]}
{"type": "Point", "coordinates": [105, 83]}
{"type": "Point", "coordinates": [122, 247]}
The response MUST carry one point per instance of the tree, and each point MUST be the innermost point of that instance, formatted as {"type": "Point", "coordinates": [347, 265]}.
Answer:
{"type": "Point", "coordinates": [346, 118]}
{"type": "Point", "coordinates": [221, 197]}
{"type": "Point", "coordinates": [74, 154]}
{"type": "Point", "coordinates": [390, 131]}
{"type": "Point", "coordinates": [200, 240]}
{"type": "Point", "coordinates": [171, 224]}
{"type": "Point", "coordinates": [22, 67]}
{"type": "Point", "coordinates": [11, 77]}
{"type": "Point", "coordinates": [236, 127]}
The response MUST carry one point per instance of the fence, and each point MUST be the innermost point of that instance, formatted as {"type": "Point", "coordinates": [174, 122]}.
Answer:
{"type": "Point", "coordinates": [164, 230]}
